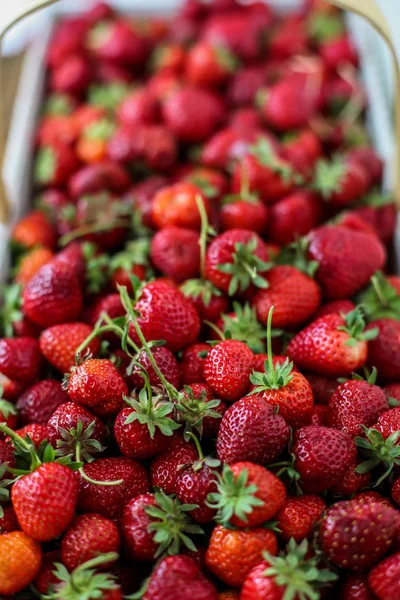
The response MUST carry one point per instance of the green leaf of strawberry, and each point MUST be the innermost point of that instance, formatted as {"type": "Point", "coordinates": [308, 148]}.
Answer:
{"type": "Point", "coordinates": [380, 299]}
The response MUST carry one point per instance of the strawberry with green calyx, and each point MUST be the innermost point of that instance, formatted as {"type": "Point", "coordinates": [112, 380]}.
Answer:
{"type": "Point", "coordinates": [247, 495]}
{"type": "Point", "coordinates": [295, 254]}
{"type": "Point", "coordinates": [85, 581]}
{"type": "Point", "coordinates": [54, 165]}
{"type": "Point", "coordinates": [342, 181]}
{"type": "Point", "coordinates": [323, 27]}
{"type": "Point", "coordinates": [283, 388]}
{"type": "Point", "coordinates": [8, 412]}
{"type": "Point", "coordinates": [11, 309]}
{"type": "Point", "coordinates": [45, 495]}
{"type": "Point", "coordinates": [108, 96]}
{"type": "Point", "coordinates": [380, 299]}
{"type": "Point", "coordinates": [97, 268]}
{"type": "Point", "coordinates": [291, 575]}
{"type": "Point", "coordinates": [196, 408]}
{"type": "Point", "coordinates": [206, 297]}
{"type": "Point", "coordinates": [133, 260]}
{"type": "Point", "coordinates": [244, 326]}
{"type": "Point", "coordinates": [5, 484]}
{"type": "Point", "coordinates": [79, 442]}
{"type": "Point", "coordinates": [144, 427]}
{"type": "Point", "coordinates": [379, 451]}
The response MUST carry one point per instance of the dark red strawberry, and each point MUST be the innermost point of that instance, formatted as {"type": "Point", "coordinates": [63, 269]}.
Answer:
{"type": "Point", "coordinates": [384, 578]}
{"type": "Point", "coordinates": [99, 177]}
{"type": "Point", "coordinates": [350, 529]}
{"type": "Point", "coordinates": [352, 481]}
{"type": "Point", "coordinates": [164, 469]}
{"type": "Point", "coordinates": [8, 522]}
{"type": "Point", "coordinates": [194, 483]}
{"type": "Point", "coordinates": [37, 403]}
{"type": "Point", "coordinates": [53, 295]}
{"type": "Point", "coordinates": [335, 306]}
{"type": "Point", "coordinates": [208, 65]}
{"type": "Point", "coordinates": [298, 516]}
{"type": "Point", "coordinates": [118, 42]}
{"type": "Point", "coordinates": [341, 253]}
{"type": "Point", "coordinates": [20, 361]}
{"type": "Point", "coordinates": [199, 409]}
{"type": "Point", "coordinates": [110, 500]}
{"type": "Point", "coordinates": [72, 76]}
{"type": "Point", "coordinates": [153, 144]}
{"type": "Point", "coordinates": [383, 351]}
{"type": "Point", "coordinates": [293, 216]}
{"type": "Point", "coordinates": [54, 165]}
{"type": "Point", "coordinates": [244, 85]}
{"type": "Point", "coordinates": [175, 252]}
{"type": "Point", "coordinates": [322, 387]}
{"type": "Point", "coordinates": [339, 51]}
{"type": "Point", "coordinates": [138, 107]}
{"type": "Point", "coordinates": [227, 369]}
{"type": "Point", "coordinates": [250, 430]}
{"type": "Point", "coordinates": [322, 456]}
{"type": "Point", "coordinates": [166, 362]}
{"type": "Point", "coordinates": [138, 540]}
{"type": "Point", "coordinates": [355, 587]}
{"type": "Point", "coordinates": [192, 364]}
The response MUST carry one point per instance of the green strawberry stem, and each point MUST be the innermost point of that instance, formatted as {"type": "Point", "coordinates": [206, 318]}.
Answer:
{"type": "Point", "coordinates": [90, 229]}
{"type": "Point", "coordinates": [89, 479]}
{"type": "Point", "coordinates": [99, 329]}
{"type": "Point", "coordinates": [271, 368]}
{"type": "Point", "coordinates": [203, 233]}
{"type": "Point", "coordinates": [216, 329]}
{"type": "Point", "coordinates": [127, 304]}
{"type": "Point", "coordinates": [378, 451]}
{"type": "Point", "coordinates": [20, 443]}
{"type": "Point", "coordinates": [199, 449]}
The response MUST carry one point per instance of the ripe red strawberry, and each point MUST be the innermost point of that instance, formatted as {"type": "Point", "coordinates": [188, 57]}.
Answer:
{"type": "Point", "coordinates": [208, 300]}
{"type": "Point", "coordinates": [164, 469]}
{"type": "Point", "coordinates": [72, 427]}
{"type": "Point", "coordinates": [356, 403]}
{"type": "Point", "coordinates": [20, 360]}
{"type": "Point", "coordinates": [166, 314]}
{"type": "Point", "coordinates": [332, 345]}
{"type": "Point", "coordinates": [291, 573]}
{"type": "Point", "coordinates": [192, 364]}
{"type": "Point", "coordinates": [177, 578]}
{"type": "Point", "coordinates": [338, 51]}
{"type": "Point", "coordinates": [350, 530]}
{"type": "Point", "coordinates": [8, 415]}
{"type": "Point", "coordinates": [355, 587]}
{"type": "Point", "coordinates": [199, 410]}
{"type": "Point", "coordinates": [6, 456]}
{"type": "Point", "coordinates": [118, 42]}
{"type": "Point", "coordinates": [8, 522]}
{"type": "Point", "coordinates": [35, 229]}
{"type": "Point", "coordinates": [156, 524]}
{"type": "Point", "coordinates": [192, 114]}
{"type": "Point", "coordinates": [176, 206]}
{"type": "Point", "coordinates": [322, 456]}
{"type": "Point", "coordinates": [244, 85]}
{"type": "Point", "coordinates": [194, 483]}
{"type": "Point", "coordinates": [144, 428]}
{"type": "Point", "coordinates": [250, 430]}
{"type": "Point", "coordinates": [54, 165]}
{"type": "Point", "coordinates": [45, 500]}
{"type": "Point", "coordinates": [379, 213]}
{"type": "Point", "coordinates": [208, 65]}
{"type": "Point", "coordinates": [59, 344]}
{"type": "Point", "coordinates": [105, 175]}
{"type": "Point", "coordinates": [298, 516]}
{"type": "Point", "coordinates": [237, 260]}
{"type": "Point", "coordinates": [139, 106]}
{"type": "Point", "coordinates": [343, 270]}
{"type": "Point", "coordinates": [293, 216]}
{"type": "Point", "coordinates": [248, 495]}
{"type": "Point", "coordinates": [97, 384]}
{"type": "Point", "coordinates": [166, 362]}
{"type": "Point", "coordinates": [227, 369]}
{"type": "Point", "coordinates": [52, 296]}
{"type": "Point", "coordinates": [335, 306]}
{"type": "Point", "coordinates": [175, 252]}
{"type": "Point", "coordinates": [88, 536]}
{"type": "Point", "coordinates": [110, 501]}
{"type": "Point", "coordinates": [303, 151]}
{"type": "Point", "coordinates": [352, 481]}
{"type": "Point", "coordinates": [322, 387]}
{"type": "Point", "coordinates": [46, 575]}
{"type": "Point", "coordinates": [36, 432]}
{"type": "Point", "coordinates": [72, 76]}
{"type": "Point", "coordinates": [294, 295]}
{"type": "Point", "coordinates": [383, 580]}
{"type": "Point", "coordinates": [342, 181]}
{"type": "Point", "coordinates": [383, 351]}
{"type": "Point", "coordinates": [226, 145]}
{"type": "Point", "coordinates": [37, 403]}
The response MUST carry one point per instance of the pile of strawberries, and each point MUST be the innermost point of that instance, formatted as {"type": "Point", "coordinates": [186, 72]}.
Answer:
{"type": "Point", "coordinates": [200, 352]}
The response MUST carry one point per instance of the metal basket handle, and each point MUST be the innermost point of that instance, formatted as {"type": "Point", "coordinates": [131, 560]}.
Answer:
{"type": "Point", "coordinates": [28, 8]}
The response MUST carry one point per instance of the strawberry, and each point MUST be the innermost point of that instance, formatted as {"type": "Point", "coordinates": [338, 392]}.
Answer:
{"type": "Point", "coordinates": [237, 260]}
{"type": "Point", "coordinates": [177, 578]}
{"type": "Point", "coordinates": [321, 456]}
{"type": "Point", "coordinates": [353, 480]}
{"type": "Point", "coordinates": [199, 410]}
{"type": "Point", "coordinates": [208, 65]}
{"type": "Point", "coordinates": [342, 181]}
{"type": "Point", "coordinates": [156, 524]}
{"type": "Point", "coordinates": [97, 384]}
{"type": "Point", "coordinates": [99, 177]}
{"type": "Point", "coordinates": [165, 314]}
{"type": "Point", "coordinates": [139, 106]}
{"type": "Point", "coordinates": [20, 360]}
{"type": "Point", "coordinates": [378, 210]}
{"type": "Point", "coordinates": [166, 362]}
{"type": "Point", "coordinates": [294, 215]}
{"type": "Point", "coordinates": [342, 270]}
{"type": "Point", "coordinates": [384, 577]}
{"type": "Point", "coordinates": [381, 298]}
{"type": "Point", "coordinates": [59, 344]}
{"type": "Point", "coordinates": [46, 576]}
{"type": "Point", "coordinates": [175, 251]}
{"type": "Point", "coordinates": [72, 428]}
{"type": "Point", "coordinates": [294, 295]}
{"type": "Point", "coordinates": [226, 145]}
{"type": "Point", "coordinates": [192, 114]}
{"type": "Point", "coordinates": [8, 414]}
{"type": "Point", "coordinates": [36, 432]}
{"type": "Point", "coordinates": [168, 58]}
{"type": "Point", "coordinates": [291, 574]}
{"type": "Point", "coordinates": [72, 76]}
{"type": "Point", "coordinates": [356, 403]}
{"type": "Point", "coordinates": [233, 553]}
{"type": "Point", "coordinates": [243, 211]}
{"type": "Point", "coordinates": [110, 501]}
{"type": "Point", "coordinates": [52, 296]}
{"type": "Point", "coordinates": [133, 260]}
{"type": "Point", "coordinates": [333, 345]}
{"type": "Point", "coordinates": [242, 325]}
{"type": "Point", "coordinates": [37, 403]}
{"type": "Point", "coordinates": [248, 495]}
{"type": "Point", "coordinates": [383, 350]}
{"type": "Point", "coordinates": [176, 206]}
{"type": "Point", "coordinates": [54, 165]}
{"type": "Point", "coordinates": [335, 306]}
{"type": "Point", "coordinates": [88, 536]}
{"type": "Point", "coordinates": [298, 516]}
{"type": "Point", "coordinates": [250, 430]}
{"type": "Point", "coordinates": [339, 51]}
{"type": "Point", "coordinates": [8, 522]}
{"type": "Point", "coordinates": [144, 427]}
{"type": "Point", "coordinates": [117, 41]}
{"type": "Point", "coordinates": [164, 469]}
{"type": "Point", "coordinates": [19, 563]}
{"type": "Point", "coordinates": [355, 587]}
{"type": "Point", "coordinates": [192, 364]}
{"type": "Point", "coordinates": [31, 262]}
{"type": "Point", "coordinates": [303, 152]}
{"type": "Point", "coordinates": [34, 229]}
{"type": "Point", "coordinates": [227, 369]}
{"type": "Point", "coordinates": [358, 523]}
{"type": "Point", "coordinates": [244, 85]}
